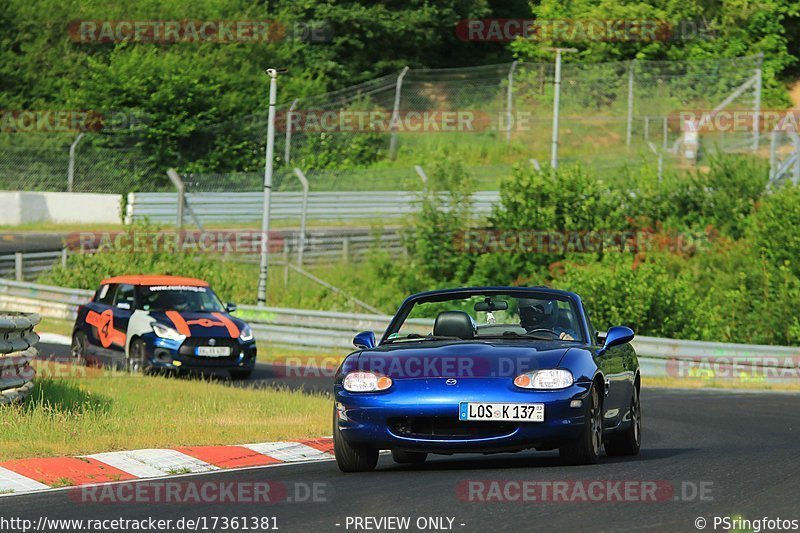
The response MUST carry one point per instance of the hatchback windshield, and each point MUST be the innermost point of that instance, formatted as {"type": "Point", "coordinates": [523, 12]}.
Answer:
{"type": "Point", "coordinates": [538, 315]}
{"type": "Point", "coordinates": [179, 298]}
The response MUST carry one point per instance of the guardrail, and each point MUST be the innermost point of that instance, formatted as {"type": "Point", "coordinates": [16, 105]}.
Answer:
{"type": "Point", "coordinates": [17, 350]}
{"type": "Point", "coordinates": [28, 265]}
{"type": "Point", "coordinates": [214, 207]}
{"type": "Point", "coordinates": [328, 329]}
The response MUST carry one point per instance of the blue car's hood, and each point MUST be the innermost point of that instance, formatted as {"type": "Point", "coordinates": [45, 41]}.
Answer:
{"type": "Point", "coordinates": [200, 324]}
{"type": "Point", "coordinates": [459, 359]}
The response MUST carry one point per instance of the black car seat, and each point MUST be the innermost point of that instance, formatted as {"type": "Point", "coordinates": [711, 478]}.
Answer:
{"type": "Point", "coordinates": [454, 324]}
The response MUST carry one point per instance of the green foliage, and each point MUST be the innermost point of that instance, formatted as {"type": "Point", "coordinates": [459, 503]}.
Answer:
{"type": "Point", "coordinates": [773, 228]}
{"type": "Point", "coordinates": [445, 212]}
{"type": "Point", "coordinates": [697, 30]}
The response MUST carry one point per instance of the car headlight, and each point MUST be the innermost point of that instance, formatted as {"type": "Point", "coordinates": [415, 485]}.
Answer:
{"type": "Point", "coordinates": [246, 334]}
{"type": "Point", "coordinates": [556, 378]}
{"type": "Point", "coordinates": [366, 382]}
{"type": "Point", "coordinates": [166, 332]}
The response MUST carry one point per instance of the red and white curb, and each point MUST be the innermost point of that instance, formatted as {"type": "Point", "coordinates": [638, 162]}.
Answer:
{"type": "Point", "coordinates": [27, 475]}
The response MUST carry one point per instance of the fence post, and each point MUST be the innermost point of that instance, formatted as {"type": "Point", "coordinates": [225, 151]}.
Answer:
{"type": "Point", "coordinates": [287, 149]}
{"type": "Point", "coordinates": [18, 266]}
{"type": "Point", "coordinates": [629, 130]}
{"type": "Point", "coordinates": [773, 154]}
{"type": "Point", "coordinates": [396, 114]}
{"type": "Point", "coordinates": [424, 177]}
{"type": "Point", "coordinates": [285, 263]}
{"type": "Point", "coordinates": [345, 248]}
{"type": "Point", "coordinates": [303, 215]}
{"type": "Point", "coordinates": [178, 183]}
{"type": "Point", "coordinates": [757, 114]}
{"type": "Point", "coordinates": [666, 134]}
{"type": "Point", "coordinates": [509, 99]}
{"type": "Point", "coordinates": [556, 99]}
{"type": "Point", "coordinates": [71, 167]}
{"type": "Point", "coordinates": [646, 128]}
{"type": "Point", "coordinates": [64, 258]}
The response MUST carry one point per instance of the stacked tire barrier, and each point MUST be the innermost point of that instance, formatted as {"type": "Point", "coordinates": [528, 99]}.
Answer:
{"type": "Point", "coordinates": [17, 350]}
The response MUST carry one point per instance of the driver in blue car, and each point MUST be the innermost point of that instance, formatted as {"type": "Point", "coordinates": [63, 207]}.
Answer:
{"type": "Point", "coordinates": [544, 315]}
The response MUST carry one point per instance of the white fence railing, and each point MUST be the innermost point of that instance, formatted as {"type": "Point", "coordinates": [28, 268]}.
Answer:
{"type": "Point", "coordinates": [212, 207]}
{"type": "Point", "coordinates": [328, 329]}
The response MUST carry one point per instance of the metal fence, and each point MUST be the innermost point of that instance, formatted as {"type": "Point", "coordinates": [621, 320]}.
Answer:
{"type": "Point", "coordinates": [333, 330]}
{"type": "Point", "coordinates": [248, 207]}
{"type": "Point", "coordinates": [27, 266]}
{"type": "Point", "coordinates": [17, 350]}
{"type": "Point", "coordinates": [612, 114]}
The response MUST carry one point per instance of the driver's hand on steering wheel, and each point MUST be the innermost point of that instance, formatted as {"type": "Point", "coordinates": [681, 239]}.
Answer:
{"type": "Point", "coordinates": [566, 337]}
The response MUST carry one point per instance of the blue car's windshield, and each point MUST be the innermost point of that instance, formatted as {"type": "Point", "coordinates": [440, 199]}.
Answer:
{"type": "Point", "coordinates": [541, 316]}
{"type": "Point", "coordinates": [179, 298]}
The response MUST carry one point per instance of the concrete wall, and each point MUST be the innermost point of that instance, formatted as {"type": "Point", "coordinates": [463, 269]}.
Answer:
{"type": "Point", "coordinates": [18, 207]}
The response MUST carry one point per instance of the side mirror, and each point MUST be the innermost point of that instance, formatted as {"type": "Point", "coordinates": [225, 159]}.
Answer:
{"type": "Point", "coordinates": [616, 336]}
{"type": "Point", "coordinates": [230, 307]}
{"type": "Point", "coordinates": [364, 340]}
{"type": "Point", "coordinates": [124, 305]}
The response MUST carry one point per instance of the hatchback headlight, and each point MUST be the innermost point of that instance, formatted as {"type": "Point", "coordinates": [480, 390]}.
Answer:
{"type": "Point", "coordinates": [166, 332]}
{"type": "Point", "coordinates": [366, 382]}
{"type": "Point", "coordinates": [556, 378]}
{"type": "Point", "coordinates": [247, 334]}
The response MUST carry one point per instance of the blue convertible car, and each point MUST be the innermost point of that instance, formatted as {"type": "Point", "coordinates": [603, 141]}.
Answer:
{"type": "Point", "coordinates": [486, 370]}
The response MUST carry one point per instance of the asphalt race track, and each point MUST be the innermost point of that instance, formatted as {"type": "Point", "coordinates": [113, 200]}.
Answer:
{"type": "Point", "coordinates": [740, 450]}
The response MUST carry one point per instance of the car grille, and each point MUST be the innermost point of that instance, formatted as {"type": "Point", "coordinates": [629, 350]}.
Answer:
{"type": "Point", "coordinates": [189, 345]}
{"type": "Point", "coordinates": [442, 427]}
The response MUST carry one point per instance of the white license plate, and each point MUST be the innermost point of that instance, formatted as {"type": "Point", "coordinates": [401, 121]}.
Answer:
{"type": "Point", "coordinates": [213, 351]}
{"type": "Point", "coordinates": [501, 412]}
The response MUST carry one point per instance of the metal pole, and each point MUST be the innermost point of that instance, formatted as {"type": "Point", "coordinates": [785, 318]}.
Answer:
{"type": "Point", "coordinates": [773, 154]}
{"type": "Point", "coordinates": [646, 128]}
{"type": "Point", "coordinates": [757, 114]}
{"type": "Point", "coordinates": [556, 97]}
{"type": "Point", "coordinates": [18, 266]}
{"type": "Point", "coordinates": [262, 276]}
{"type": "Point", "coordinates": [796, 176]}
{"type": "Point", "coordinates": [287, 149]}
{"type": "Point", "coordinates": [629, 130]}
{"type": "Point", "coordinates": [509, 99]}
{"type": "Point", "coordinates": [303, 214]}
{"type": "Point", "coordinates": [396, 114]}
{"type": "Point", "coordinates": [665, 134]}
{"type": "Point", "coordinates": [177, 182]}
{"type": "Point", "coordinates": [422, 176]}
{"type": "Point", "coordinates": [71, 167]}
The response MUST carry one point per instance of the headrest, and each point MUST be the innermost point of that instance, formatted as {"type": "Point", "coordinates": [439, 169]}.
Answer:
{"type": "Point", "coordinates": [454, 324]}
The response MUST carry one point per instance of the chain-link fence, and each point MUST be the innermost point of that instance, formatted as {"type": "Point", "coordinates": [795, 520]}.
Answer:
{"type": "Point", "coordinates": [611, 115]}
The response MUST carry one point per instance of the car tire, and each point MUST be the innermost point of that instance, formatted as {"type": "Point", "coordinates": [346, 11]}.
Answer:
{"type": "Point", "coordinates": [78, 347]}
{"type": "Point", "coordinates": [412, 458]}
{"type": "Point", "coordinates": [585, 450]}
{"type": "Point", "coordinates": [629, 441]}
{"type": "Point", "coordinates": [137, 362]}
{"type": "Point", "coordinates": [352, 457]}
{"type": "Point", "coordinates": [239, 375]}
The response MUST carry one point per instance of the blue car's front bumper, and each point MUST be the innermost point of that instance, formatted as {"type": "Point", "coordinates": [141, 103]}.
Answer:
{"type": "Point", "coordinates": [422, 415]}
{"type": "Point", "coordinates": [172, 355]}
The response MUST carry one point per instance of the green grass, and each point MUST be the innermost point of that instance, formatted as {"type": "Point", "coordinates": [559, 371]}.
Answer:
{"type": "Point", "coordinates": [90, 411]}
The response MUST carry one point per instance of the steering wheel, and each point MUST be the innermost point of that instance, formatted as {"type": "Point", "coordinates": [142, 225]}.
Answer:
{"type": "Point", "coordinates": [548, 331]}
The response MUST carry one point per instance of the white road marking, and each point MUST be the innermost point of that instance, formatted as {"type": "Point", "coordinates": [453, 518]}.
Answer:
{"type": "Point", "coordinates": [289, 451]}
{"type": "Point", "coordinates": [153, 462]}
{"type": "Point", "coordinates": [12, 482]}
